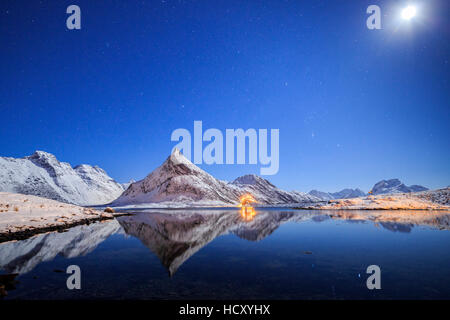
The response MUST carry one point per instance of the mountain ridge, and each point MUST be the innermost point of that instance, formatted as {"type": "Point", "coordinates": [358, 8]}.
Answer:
{"type": "Point", "coordinates": [42, 174]}
{"type": "Point", "coordinates": [178, 180]}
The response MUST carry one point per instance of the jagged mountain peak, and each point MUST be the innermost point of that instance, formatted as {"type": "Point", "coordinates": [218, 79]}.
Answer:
{"type": "Point", "coordinates": [42, 174]}
{"type": "Point", "coordinates": [42, 157]}
{"type": "Point", "coordinates": [389, 183]}
{"type": "Point", "coordinates": [180, 182]}
{"type": "Point", "coordinates": [42, 154]}
{"type": "Point", "coordinates": [395, 186]}
{"type": "Point", "coordinates": [177, 157]}
{"type": "Point", "coordinates": [251, 179]}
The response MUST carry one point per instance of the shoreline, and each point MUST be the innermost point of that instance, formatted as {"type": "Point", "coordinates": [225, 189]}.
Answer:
{"type": "Point", "coordinates": [32, 231]}
{"type": "Point", "coordinates": [29, 232]}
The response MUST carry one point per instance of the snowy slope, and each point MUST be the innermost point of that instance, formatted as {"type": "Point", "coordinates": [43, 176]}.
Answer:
{"type": "Point", "coordinates": [343, 194]}
{"type": "Point", "coordinates": [266, 193]}
{"type": "Point", "coordinates": [395, 186]}
{"type": "Point", "coordinates": [381, 187]}
{"type": "Point", "coordinates": [20, 212]}
{"type": "Point", "coordinates": [321, 195]}
{"type": "Point", "coordinates": [41, 174]}
{"type": "Point", "coordinates": [179, 181]}
{"type": "Point", "coordinates": [424, 200]}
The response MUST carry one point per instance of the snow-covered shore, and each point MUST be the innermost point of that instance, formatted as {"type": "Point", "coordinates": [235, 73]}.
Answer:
{"type": "Point", "coordinates": [425, 200]}
{"type": "Point", "coordinates": [24, 215]}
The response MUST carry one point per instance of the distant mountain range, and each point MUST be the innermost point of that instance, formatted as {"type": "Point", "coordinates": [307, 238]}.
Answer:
{"type": "Point", "coordinates": [395, 186]}
{"type": "Point", "coordinates": [41, 174]}
{"type": "Point", "coordinates": [177, 182]}
{"type": "Point", "coordinates": [381, 187]}
{"type": "Point", "coordinates": [343, 194]}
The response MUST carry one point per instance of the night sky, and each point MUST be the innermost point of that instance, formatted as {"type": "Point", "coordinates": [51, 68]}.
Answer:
{"type": "Point", "coordinates": [353, 105]}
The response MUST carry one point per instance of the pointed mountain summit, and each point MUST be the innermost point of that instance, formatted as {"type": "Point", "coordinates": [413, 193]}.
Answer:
{"type": "Point", "coordinates": [180, 182]}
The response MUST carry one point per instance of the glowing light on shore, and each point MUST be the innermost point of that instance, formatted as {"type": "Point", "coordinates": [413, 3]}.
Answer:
{"type": "Point", "coordinates": [246, 200]}
{"type": "Point", "coordinates": [247, 211]}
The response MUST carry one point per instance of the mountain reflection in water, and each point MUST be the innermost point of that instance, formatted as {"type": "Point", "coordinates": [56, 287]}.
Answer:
{"type": "Point", "coordinates": [176, 235]}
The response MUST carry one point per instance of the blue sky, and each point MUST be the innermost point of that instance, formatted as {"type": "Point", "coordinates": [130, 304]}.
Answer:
{"type": "Point", "coordinates": [353, 105]}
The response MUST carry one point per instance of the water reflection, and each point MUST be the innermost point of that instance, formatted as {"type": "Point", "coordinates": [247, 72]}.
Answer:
{"type": "Point", "coordinates": [175, 235]}
{"type": "Point", "coordinates": [248, 213]}
{"type": "Point", "coordinates": [23, 256]}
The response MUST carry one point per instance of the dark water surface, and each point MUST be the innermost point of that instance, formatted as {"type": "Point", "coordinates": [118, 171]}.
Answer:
{"type": "Point", "coordinates": [219, 254]}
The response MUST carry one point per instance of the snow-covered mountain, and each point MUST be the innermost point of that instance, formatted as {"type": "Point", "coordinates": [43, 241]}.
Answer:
{"type": "Point", "coordinates": [179, 181]}
{"type": "Point", "coordinates": [127, 184]}
{"type": "Point", "coordinates": [381, 187]}
{"type": "Point", "coordinates": [395, 186]}
{"type": "Point", "coordinates": [348, 193]}
{"type": "Point", "coordinates": [343, 194]}
{"type": "Point", "coordinates": [41, 174]}
{"type": "Point", "coordinates": [321, 195]}
{"type": "Point", "coordinates": [266, 193]}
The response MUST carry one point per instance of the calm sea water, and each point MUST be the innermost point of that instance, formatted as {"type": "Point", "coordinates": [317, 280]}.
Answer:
{"type": "Point", "coordinates": [222, 254]}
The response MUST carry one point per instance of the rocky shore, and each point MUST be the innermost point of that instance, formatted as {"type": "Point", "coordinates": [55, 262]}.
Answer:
{"type": "Point", "coordinates": [425, 200]}
{"type": "Point", "coordinates": [22, 216]}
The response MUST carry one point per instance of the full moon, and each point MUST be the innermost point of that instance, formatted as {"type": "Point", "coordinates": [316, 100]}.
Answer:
{"type": "Point", "coordinates": [409, 12]}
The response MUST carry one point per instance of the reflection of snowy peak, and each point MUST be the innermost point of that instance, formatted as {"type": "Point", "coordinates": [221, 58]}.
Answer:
{"type": "Point", "coordinates": [395, 186]}
{"type": "Point", "coordinates": [23, 256]}
{"type": "Point", "coordinates": [175, 237]}
{"type": "Point", "coordinates": [178, 180]}
{"type": "Point", "coordinates": [41, 174]}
